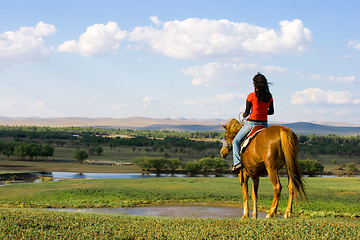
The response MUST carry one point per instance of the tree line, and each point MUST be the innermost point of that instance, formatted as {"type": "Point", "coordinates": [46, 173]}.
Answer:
{"type": "Point", "coordinates": [74, 132]}
{"type": "Point", "coordinates": [23, 151]}
{"type": "Point", "coordinates": [204, 165]}
{"type": "Point", "coordinates": [312, 145]}
{"type": "Point", "coordinates": [309, 145]}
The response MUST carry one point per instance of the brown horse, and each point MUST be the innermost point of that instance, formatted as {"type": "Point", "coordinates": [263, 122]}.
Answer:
{"type": "Point", "coordinates": [266, 155]}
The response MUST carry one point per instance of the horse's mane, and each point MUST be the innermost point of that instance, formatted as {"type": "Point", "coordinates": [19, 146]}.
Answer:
{"type": "Point", "coordinates": [232, 127]}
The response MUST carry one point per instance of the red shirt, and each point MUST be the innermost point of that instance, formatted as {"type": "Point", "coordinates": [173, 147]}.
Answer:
{"type": "Point", "coordinates": [259, 108]}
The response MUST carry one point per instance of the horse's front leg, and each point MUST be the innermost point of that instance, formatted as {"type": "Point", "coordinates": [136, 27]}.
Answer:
{"type": "Point", "coordinates": [254, 196]}
{"type": "Point", "coordinates": [245, 196]}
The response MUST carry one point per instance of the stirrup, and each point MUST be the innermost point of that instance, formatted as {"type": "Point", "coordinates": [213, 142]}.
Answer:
{"type": "Point", "coordinates": [236, 168]}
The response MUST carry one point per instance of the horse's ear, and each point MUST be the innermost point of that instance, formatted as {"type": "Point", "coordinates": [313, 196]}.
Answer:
{"type": "Point", "coordinates": [224, 127]}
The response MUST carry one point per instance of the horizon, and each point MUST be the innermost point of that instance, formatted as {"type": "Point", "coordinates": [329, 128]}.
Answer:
{"type": "Point", "coordinates": [187, 59]}
{"type": "Point", "coordinates": [169, 121]}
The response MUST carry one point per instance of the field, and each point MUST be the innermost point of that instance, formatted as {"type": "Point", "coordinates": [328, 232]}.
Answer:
{"type": "Point", "coordinates": [34, 224]}
{"type": "Point", "coordinates": [62, 166]}
{"type": "Point", "coordinates": [331, 213]}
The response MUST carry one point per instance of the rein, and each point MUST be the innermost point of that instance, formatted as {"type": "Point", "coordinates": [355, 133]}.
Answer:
{"type": "Point", "coordinates": [241, 120]}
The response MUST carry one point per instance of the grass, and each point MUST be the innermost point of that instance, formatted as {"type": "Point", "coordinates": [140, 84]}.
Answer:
{"type": "Point", "coordinates": [331, 212]}
{"type": "Point", "coordinates": [127, 153]}
{"type": "Point", "coordinates": [57, 166]}
{"type": "Point", "coordinates": [337, 197]}
{"type": "Point", "coordinates": [35, 224]}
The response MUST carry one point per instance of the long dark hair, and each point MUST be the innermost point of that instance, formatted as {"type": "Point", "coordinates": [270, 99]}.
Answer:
{"type": "Point", "coordinates": [261, 87]}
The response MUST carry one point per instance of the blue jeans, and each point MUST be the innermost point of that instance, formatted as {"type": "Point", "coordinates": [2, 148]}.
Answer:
{"type": "Point", "coordinates": [240, 136]}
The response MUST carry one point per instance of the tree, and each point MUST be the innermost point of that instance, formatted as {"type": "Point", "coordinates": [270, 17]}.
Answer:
{"type": "Point", "coordinates": [47, 151]}
{"type": "Point", "coordinates": [80, 155]}
{"type": "Point", "coordinates": [192, 167]}
{"type": "Point", "coordinates": [215, 164]}
{"type": "Point", "coordinates": [140, 162]}
{"type": "Point", "coordinates": [173, 163]}
{"type": "Point", "coordinates": [310, 167]}
{"type": "Point", "coordinates": [157, 163]}
{"type": "Point", "coordinates": [34, 150]}
{"type": "Point", "coordinates": [21, 151]}
{"type": "Point", "coordinates": [99, 150]}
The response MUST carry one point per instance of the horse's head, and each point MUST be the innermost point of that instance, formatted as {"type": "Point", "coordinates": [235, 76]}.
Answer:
{"type": "Point", "coordinates": [232, 127]}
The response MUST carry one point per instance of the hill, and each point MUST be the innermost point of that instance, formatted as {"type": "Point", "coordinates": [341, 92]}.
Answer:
{"type": "Point", "coordinates": [179, 124]}
{"type": "Point", "coordinates": [312, 128]}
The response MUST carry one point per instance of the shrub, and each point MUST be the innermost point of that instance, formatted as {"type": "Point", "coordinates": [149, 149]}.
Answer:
{"type": "Point", "coordinates": [351, 167]}
{"type": "Point", "coordinates": [157, 163]}
{"type": "Point", "coordinates": [310, 167]}
{"type": "Point", "coordinates": [213, 164]}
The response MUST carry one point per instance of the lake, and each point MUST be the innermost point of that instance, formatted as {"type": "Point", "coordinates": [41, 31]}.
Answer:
{"type": "Point", "coordinates": [169, 211]}
{"type": "Point", "coordinates": [74, 175]}
{"type": "Point", "coordinates": [66, 175]}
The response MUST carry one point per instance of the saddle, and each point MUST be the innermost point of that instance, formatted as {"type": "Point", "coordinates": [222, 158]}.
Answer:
{"type": "Point", "coordinates": [252, 134]}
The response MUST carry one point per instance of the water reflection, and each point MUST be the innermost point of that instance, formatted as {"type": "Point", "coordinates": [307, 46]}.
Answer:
{"type": "Point", "coordinates": [76, 175]}
{"type": "Point", "coordinates": [64, 175]}
{"type": "Point", "coordinates": [169, 211]}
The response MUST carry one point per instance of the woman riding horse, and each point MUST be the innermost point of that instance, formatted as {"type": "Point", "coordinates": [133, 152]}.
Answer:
{"type": "Point", "coordinates": [266, 154]}
{"type": "Point", "coordinates": [259, 104]}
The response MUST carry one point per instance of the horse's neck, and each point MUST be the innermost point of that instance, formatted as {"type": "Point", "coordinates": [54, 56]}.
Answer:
{"type": "Point", "coordinates": [236, 128]}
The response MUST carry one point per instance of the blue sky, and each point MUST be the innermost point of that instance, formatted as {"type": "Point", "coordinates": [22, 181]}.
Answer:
{"type": "Point", "coordinates": [171, 59]}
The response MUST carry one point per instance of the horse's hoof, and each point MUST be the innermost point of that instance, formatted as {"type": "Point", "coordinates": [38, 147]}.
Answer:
{"type": "Point", "coordinates": [254, 217]}
{"type": "Point", "coordinates": [244, 217]}
{"type": "Point", "coordinates": [287, 215]}
{"type": "Point", "coordinates": [270, 216]}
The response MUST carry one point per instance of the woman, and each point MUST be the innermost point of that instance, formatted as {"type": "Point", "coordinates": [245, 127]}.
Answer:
{"type": "Point", "coordinates": [259, 104]}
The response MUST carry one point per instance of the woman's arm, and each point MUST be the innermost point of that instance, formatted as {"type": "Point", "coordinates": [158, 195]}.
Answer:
{"type": "Point", "coordinates": [248, 109]}
{"type": "Point", "coordinates": [271, 108]}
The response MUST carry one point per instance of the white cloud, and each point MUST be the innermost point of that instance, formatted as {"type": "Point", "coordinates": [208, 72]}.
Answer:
{"type": "Point", "coordinates": [197, 38]}
{"type": "Point", "coordinates": [349, 79]}
{"type": "Point", "coordinates": [218, 99]}
{"type": "Point", "coordinates": [213, 73]}
{"type": "Point", "coordinates": [25, 45]}
{"type": "Point", "coordinates": [97, 40]}
{"type": "Point", "coordinates": [148, 100]}
{"type": "Point", "coordinates": [331, 78]}
{"type": "Point", "coordinates": [155, 20]}
{"type": "Point", "coordinates": [319, 96]}
{"type": "Point", "coordinates": [354, 44]}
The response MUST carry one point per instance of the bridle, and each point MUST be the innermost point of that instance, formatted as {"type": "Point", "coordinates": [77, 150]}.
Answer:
{"type": "Point", "coordinates": [226, 143]}
{"type": "Point", "coordinates": [224, 140]}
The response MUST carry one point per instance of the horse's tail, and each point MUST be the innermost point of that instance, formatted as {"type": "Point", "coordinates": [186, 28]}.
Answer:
{"type": "Point", "coordinates": [289, 145]}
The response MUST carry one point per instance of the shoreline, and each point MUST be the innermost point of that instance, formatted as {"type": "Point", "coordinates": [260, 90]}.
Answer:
{"type": "Point", "coordinates": [31, 175]}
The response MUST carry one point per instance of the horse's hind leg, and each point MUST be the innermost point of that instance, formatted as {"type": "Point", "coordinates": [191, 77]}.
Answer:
{"type": "Point", "coordinates": [274, 178]}
{"type": "Point", "coordinates": [254, 196]}
{"type": "Point", "coordinates": [245, 196]}
{"type": "Point", "coordinates": [291, 196]}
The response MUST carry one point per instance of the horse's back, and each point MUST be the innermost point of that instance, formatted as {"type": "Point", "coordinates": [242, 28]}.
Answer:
{"type": "Point", "coordinates": [265, 151]}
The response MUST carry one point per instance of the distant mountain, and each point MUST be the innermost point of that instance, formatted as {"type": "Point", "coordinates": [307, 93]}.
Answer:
{"type": "Point", "coordinates": [312, 128]}
{"type": "Point", "coordinates": [179, 124]}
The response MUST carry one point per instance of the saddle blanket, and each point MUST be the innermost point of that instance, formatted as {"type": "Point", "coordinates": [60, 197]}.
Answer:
{"type": "Point", "coordinates": [252, 134]}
